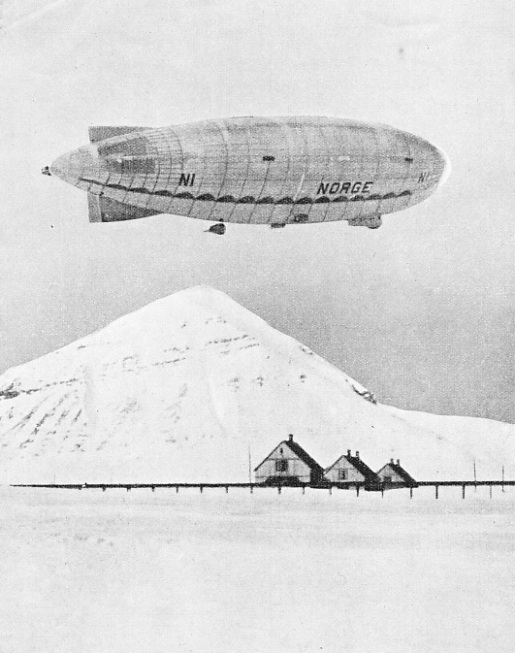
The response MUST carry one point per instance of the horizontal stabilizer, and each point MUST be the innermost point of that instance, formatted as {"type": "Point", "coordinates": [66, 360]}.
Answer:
{"type": "Point", "coordinates": [101, 133]}
{"type": "Point", "coordinates": [102, 209]}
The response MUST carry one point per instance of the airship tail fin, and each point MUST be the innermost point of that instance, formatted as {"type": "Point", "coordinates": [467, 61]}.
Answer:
{"type": "Point", "coordinates": [102, 132]}
{"type": "Point", "coordinates": [102, 209]}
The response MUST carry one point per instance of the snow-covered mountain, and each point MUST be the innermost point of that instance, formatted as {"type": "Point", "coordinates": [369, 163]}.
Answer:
{"type": "Point", "coordinates": [194, 387]}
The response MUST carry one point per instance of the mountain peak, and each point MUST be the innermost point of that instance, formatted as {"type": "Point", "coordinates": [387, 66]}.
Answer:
{"type": "Point", "coordinates": [184, 388]}
{"type": "Point", "coordinates": [190, 303]}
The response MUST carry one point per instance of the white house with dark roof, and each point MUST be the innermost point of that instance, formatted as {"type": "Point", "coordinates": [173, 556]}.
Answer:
{"type": "Point", "coordinates": [392, 475]}
{"type": "Point", "coordinates": [348, 469]}
{"type": "Point", "coordinates": [289, 463]}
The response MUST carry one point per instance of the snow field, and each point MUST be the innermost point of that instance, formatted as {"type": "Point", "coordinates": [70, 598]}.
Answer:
{"type": "Point", "coordinates": [142, 571]}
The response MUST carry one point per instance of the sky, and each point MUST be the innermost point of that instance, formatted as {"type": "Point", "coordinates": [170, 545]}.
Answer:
{"type": "Point", "coordinates": [420, 311]}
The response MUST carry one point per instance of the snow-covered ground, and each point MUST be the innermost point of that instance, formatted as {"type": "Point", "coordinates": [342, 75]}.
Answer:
{"type": "Point", "coordinates": [189, 387]}
{"type": "Point", "coordinates": [120, 572]}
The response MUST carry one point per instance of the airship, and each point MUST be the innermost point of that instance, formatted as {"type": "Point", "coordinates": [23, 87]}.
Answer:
{"type": "Point", "coordinates": [254, 170]}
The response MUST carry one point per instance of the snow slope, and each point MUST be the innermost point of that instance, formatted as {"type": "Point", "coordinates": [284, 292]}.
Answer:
{"type": "Point", "coordinates": [191, 386]}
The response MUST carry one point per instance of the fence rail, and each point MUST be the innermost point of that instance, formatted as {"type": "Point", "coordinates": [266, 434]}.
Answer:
{"type": "Point", "coordinates": [347, 485]}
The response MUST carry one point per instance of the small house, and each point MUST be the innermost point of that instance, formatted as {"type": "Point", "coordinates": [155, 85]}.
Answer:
{"type": "Point", "coordinates": [351, 469]}
{"type": "Point", "coordinates": [289, 464]}
{"type": "Point", "coordinates": [392, 475]}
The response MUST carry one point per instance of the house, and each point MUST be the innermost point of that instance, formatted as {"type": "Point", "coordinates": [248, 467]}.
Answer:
{"type": "Point", "coordinates": [289, 464]}
{"type": "Point", "coordinates": [392, 475]}
{"type": "Point", "coordinates": [351, 469]}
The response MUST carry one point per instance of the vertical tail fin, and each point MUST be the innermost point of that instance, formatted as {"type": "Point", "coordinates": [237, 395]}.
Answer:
{"type": "Point", "coordinates": [102, 209]}
{"type": "Point", "coordinates": [101, 133]}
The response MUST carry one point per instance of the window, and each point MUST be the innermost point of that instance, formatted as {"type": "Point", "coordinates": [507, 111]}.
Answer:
{"type": "Point", "coordinates": [281, 465]}
{"type": "Point", "coordinates": [342, 474]}
{"type": "Point", "coordinates": [387, 479]}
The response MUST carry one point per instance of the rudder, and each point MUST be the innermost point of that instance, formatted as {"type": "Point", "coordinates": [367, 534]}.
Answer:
{"type": "Point", "coordinates": [103, 209]}
{"type": "Point", "coordinates": [100, 133]}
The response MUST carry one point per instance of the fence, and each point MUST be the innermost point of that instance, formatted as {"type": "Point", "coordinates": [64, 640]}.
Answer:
{"type": "Point", "coordinates": [349, 485]}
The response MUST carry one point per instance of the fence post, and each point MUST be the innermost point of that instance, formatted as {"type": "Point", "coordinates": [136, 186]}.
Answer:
{"type": "Point", "coordinates": [463, 491]}
{"type": "Point", "coordinates": [436, 491]}
{"type": "Point", "coordinates": [411, 493]}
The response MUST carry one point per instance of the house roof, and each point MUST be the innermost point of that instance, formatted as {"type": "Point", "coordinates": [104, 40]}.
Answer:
{"type": "Point", "coordinates": [299, 452]}
{"type": "Point", "coordinates": [304, 456]}
{"type": "Point", "coordinates": [359, 465]}
{"type": "Point", "coordinates": [407, 478]}
{"type": "Point", "coordinates": [362, 467]}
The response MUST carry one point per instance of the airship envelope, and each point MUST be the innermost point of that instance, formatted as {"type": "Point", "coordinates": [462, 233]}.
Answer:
{"type": "Point", "coordinates": [275, 171]}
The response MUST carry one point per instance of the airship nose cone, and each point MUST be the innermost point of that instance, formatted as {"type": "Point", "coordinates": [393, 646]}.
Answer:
{"type": "Point", "coordinates": [73, 166]}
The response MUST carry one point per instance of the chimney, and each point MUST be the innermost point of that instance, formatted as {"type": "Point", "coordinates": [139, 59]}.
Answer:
{"type": "Point", "coordinates": [290, 437]}
{"type": "Point", "coordinates": [348, 453]}
{"type": "Point", "coordinates": [391, 461]}
{"type": "Point", "coordinates": [357, 454]}
{"type": "Point", "coordinates": [398, 462]}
